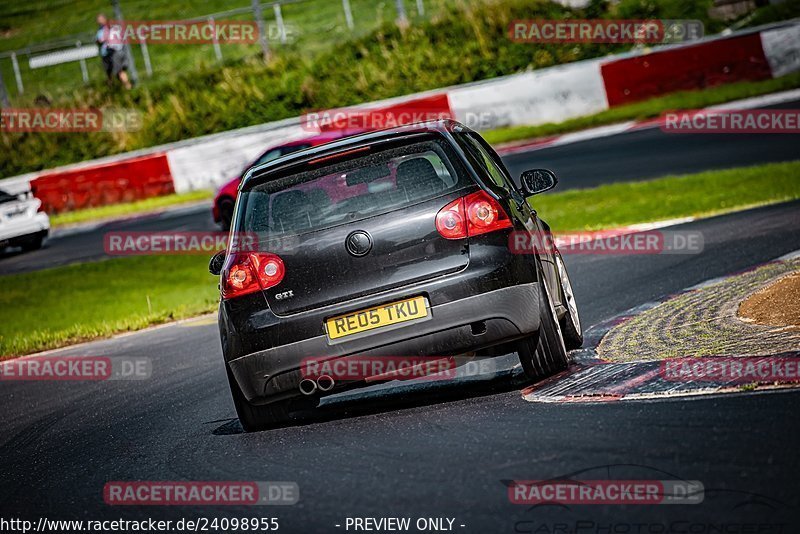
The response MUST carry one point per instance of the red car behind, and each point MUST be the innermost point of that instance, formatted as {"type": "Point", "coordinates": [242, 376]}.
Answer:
{"type": "Point", "coordinates": [225, 199]}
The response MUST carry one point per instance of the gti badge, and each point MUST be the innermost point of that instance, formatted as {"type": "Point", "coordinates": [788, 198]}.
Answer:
{"type": "Point", "coordinates": [285, 295]}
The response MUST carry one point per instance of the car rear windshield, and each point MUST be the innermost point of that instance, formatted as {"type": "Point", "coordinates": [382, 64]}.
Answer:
{"type": "Point", "coordinates": [326, 195]}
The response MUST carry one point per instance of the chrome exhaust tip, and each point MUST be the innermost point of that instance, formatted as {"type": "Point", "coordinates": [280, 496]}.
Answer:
{"type": "Point", "coordinates": [325, 383]}
{"type": "Point", "coordinates": [308, 386]}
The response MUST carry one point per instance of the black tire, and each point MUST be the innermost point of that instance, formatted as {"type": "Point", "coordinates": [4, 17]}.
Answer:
{"type": "Point", "coordinates": [225, 207]}
{"type": "Point", "coordinates": [254, 418]}
{"type": "Point", "coordinates": [544, 354]}
{"type": "Point", "coordinates": [32, 243]}
{"type": "Point", "coordinates": [570, 322]}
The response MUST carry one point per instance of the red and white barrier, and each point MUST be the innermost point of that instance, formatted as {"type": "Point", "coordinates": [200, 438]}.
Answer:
{"type": "Point", "coordinates": [781, 47]}
{"type": "Point", "coordinates": [685, 68]}
{"type": "Point", "coordinates": [215, 162]}
{"type": "Point", "coordinates": [545, 96]}
{"type": "Point", "coordinates": [121, 181]}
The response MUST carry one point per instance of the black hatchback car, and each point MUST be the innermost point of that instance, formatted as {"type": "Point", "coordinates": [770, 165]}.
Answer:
{"type": "Point", "coordinates": [388, 244]}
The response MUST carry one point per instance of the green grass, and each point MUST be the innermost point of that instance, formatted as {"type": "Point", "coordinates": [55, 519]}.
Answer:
{"type": "Point", "coordinates": [648, 109]}
{"type": "Point", "coordinates": [65, 305]}
{"type": "Point", "coordinates": [465, 41]}
{"type": "Point", "coordinates": [670, 197]}
{"type": "Point", "coordinates": [317, 25]}
{"type": "Point", "coordinates": [129, 208]}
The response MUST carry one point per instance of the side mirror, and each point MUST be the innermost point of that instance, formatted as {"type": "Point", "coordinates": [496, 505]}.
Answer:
{"type": "Point", "coordinates": [538, 181]}
{"type": "Point", "coordinates": [216, 263]}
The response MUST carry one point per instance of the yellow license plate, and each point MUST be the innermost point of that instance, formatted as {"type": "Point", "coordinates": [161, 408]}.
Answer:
{"type": "Point", "coordinates": [377, 317]}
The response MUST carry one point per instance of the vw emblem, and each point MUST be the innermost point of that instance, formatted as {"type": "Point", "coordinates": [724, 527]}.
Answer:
{"type": "Point", "coordinates": [358, 243]}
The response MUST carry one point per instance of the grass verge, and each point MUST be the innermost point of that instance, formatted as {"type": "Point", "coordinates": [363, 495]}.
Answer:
{"type": "Point", "coordinates": [129, 208]}
{"type": "Point", "coordinates": [704, 193]}
{"type": "Point", "coordinates": [65, 305]}
{"type": "Point", "coordinates": [649, 109]}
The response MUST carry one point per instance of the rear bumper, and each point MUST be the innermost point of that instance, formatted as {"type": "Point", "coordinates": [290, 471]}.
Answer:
{"type": "Point", "coordinates": [455, 327]}
{"type": "Point", "coordinates": [28, 227]}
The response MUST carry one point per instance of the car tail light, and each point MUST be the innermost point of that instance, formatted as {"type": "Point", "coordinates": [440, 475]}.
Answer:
{"type": "Point", "coordinates": [246, 273]}
{"type": "Point", "coordinates": [474, 214]}
{"type": "Point", "coordinates": [451, 221]}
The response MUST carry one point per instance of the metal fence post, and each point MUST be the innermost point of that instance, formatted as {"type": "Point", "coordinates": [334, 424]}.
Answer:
{"type": "Point", "coordinates": [279, 19]}
{"type": "Point", "coordinates": [17, 75]}
{"type": "Point", "coordinates": [262, 37]}
{"type": "Point", "coordinates": [348, 14]}
{"type": "Point", "coordinates": [128, 50]}
{"type": "Point", "coordinates": [401, 12]}
{"type": "Point", "coordinates": [84, 70]}
{"type": "Point", "coordinates": [148, 68]}
{"type": "Point", "coordinates": [4, 103]}
{"type": "Point", "coordinates": [217, 49]}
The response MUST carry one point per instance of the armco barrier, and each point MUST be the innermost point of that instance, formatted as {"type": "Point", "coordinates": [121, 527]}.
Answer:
{"type": "Point", "coordinates": [217, 161]}
{"type": "Point", "coordinates": [121, 181]}
{"type": "Point", "coordinates": [554, 94]}
{"type": "Point", "coordinates": [546, 95]}
{"type": "Point", "coordinates": [702, 65]}
{"type": "Point", "coordinates": [782, 48]}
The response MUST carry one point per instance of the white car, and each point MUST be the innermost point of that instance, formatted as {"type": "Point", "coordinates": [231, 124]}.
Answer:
{"type": "Point", "coordinates": [22, 224]}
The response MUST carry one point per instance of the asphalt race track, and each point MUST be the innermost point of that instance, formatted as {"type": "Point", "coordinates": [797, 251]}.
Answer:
{"type": "Point", "coordinates": [443, 451]}
{"type": "Point", "coordinates": [630, 156]}
{"type": "Point", "coordinates": [652, 153]}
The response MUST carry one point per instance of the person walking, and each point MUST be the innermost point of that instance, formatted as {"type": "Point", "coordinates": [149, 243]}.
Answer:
{"type": "Point", "coordinates": [115, 59]}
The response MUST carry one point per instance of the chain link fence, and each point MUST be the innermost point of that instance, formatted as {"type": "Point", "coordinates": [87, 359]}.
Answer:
{"type": "Point", "coordinates": [72, 61]}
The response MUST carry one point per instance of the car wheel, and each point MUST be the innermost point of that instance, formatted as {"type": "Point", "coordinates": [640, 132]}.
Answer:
{"type": "Point", "coordinates": [544, 353]}
{"type": "Point", "coordinates": [225, 212]}
{"type": "Point", "coordinates": [571, 322]}
{"type": "Point", "coordinates": [252, 417]}
{"type": "Point", "coordinates": [32, 243]}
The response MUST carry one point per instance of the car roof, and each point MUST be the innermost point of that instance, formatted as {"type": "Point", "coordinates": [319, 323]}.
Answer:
{"type": "Point", "coordinates": [318, 139]}
{"type": "Point", "coordinates": [443, 126]}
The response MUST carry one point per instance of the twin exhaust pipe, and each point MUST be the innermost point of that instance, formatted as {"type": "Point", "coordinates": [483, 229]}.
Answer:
{"type": "Point", "coordinates": [323, 383]}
